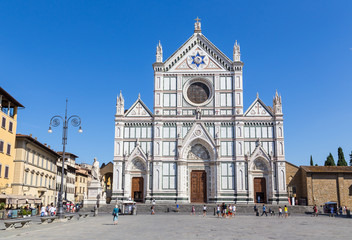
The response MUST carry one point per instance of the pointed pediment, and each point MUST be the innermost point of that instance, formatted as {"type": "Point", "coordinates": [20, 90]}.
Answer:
{"type": "Point", "coordinates": [198, 53]}
{"type": "Point", "coordinates": [258, 109]}
{"type": "Point", "coordinates": [196, 136]}
{"type": "Point", "coordinates": [138, 109]}
{"type": "Point", "coordinates": [137, 160]}
{"type": "Point", "coordinates": [260, 152]}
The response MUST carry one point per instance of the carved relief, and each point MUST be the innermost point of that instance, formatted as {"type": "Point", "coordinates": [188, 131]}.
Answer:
{"type": "Point", "coordinates": [198, 152]}
{"type": "Point", "coordinates": [137, 165]}
{"type": "Point", "coordinates": [259, 165]}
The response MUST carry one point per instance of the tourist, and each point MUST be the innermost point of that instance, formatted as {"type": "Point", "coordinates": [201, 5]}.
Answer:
{"type": "Point", "coordinates": [153, 211]}
{"type": "Point", "coordinates": [264, 211]}
{"type": "Point", "coordinates": [340, 211]}
{"type": "Point", "coordinates": [224, 210]}
{"type": "Point", "coordinates": [286, 211]}
{"type": "Point", "coordinates": [315, 209]}
{"type": "Point", "coordinates": [115, 213]}
{"type": "Point", "coordinates": [218, 210]}
{"type": "Point", "coordinates": [256, 210]}
{"type": "Point", "coordinates": [280, 212]}
{"type": "Point", "coordinates": [344, 210]}
{"type": "Point", "coordinates": [204, 211]}
{"type": "Point", "coordinates": [193, 211]}
{"type": "Point", "coordinates": [230, 210]}
{"type": "Point", "coordinates": [177, 208]}
{"type": "Point", "coordinates": [331, 211]}
{"type": "Point", "coordinates": [234, 210]}
{"type": "Point", "coordinates": [42, 211]}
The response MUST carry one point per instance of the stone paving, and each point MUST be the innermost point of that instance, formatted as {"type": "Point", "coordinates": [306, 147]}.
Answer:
{"type": "Point", "coordinates": [184, 226]}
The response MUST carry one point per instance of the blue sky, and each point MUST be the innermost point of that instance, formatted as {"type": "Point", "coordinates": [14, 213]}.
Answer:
{"type": "Point", "coordinates": [87, 51]}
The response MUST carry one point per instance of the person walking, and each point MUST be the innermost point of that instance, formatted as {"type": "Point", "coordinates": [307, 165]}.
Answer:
{"type": "Point", "coordinates": [115, 214]}
{"type": "Point", "coordinates": [315, 209]}
{"type": "Point", "coordinates": [331, 211]}
{"type": "Point", "coordinates": [264, 211]}
{"type": "Point", "coordinates": [280, 212]}
{"type": "Point", "coordinates": [286, 211]}
{"type": "Point", "coordinates": [204, 211]}
{"type": "Point", "coordinates": [256, 210]}
{"type": "Point", "coordinates": [42, 211]}
{"type": "Point", "coordinates": [153, 210]}
{"type": "Point", "coordinates": [234, 210]}
{"type": "Point", "coordinates": [218, 210]}
{"type": "Point", "coordinates": [193, 211]}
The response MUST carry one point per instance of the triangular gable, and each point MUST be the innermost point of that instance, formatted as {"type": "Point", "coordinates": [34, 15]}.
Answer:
{"type": "Point", "coordinates": [197, 59]}
{"type": "Point", "coordinates": [259, 152]}
{"type": "Point", "coordinates": [258, 109]}
{"type": "Point", "coordinates": [138, 109]}
{"type": "Point", "coordinates": [214, 58]}
{"type": "Point", "coordinates": [137, 155]}
{"type": "Point", "coordinates": [198, 132]}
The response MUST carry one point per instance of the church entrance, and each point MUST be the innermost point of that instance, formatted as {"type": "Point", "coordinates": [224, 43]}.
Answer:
{"type": "Point", "coordinates": [198, 186]}
{"type": "Point", "coordinates": [259, 190]}
{"type": "Point", "coordinates": [137, 189]}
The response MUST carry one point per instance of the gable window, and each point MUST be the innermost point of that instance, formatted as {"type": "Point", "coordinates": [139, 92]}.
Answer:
{"type": "Point", "coordinates": [169, 83]}
{"type": "Point", "coordinates": [225, 99]}
{"type": "Point", "coordinates": [227, 176]}
{"type": "Point", "coordinates": [3, 123]}
{"type": "Point", "coordinates": [6, 172]}
{"type": "Point", "coordinates": [226, 149]}
{"type": "Point", "coordinates": [169, 99]}
{"type": "Point", "coordinates": [169, 148]}
{"type": "Point", "coordinates": [169, 175]}
{"type": "Point", "coordinates": [169, 132]}
{"type": "Point", "coordinates": [225, 83]}
{"type": "Point", "coordinates": [1, 146]}
{"type": "Point", "coordinates": [10, 126]}
{"type": "Point", "coordinates": [226, 131]}
{"type": "Point", "coordinates": [8, 149]}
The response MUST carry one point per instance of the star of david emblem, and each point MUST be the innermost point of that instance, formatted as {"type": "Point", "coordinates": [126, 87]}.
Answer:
{"type": "Point", "coordinates": [198, 59]}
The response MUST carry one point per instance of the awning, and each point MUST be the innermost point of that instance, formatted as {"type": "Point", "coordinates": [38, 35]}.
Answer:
{"type": "Point", "coordinates": [20, 200]}
{"type": "Point", "coordinates": [330, 203]}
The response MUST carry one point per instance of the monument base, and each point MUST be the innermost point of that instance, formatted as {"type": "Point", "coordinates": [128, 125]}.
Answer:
{"type": "Point", "coordinates": [95, 196]}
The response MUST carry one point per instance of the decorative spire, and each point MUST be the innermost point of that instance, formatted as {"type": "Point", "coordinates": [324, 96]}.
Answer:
{"type": "Point", "coordinates": [236, 52]}
{"type": "Point", "coordinates": [257, 94]}
{"type": "Point", "coordinates": [120, 105]}
{"type": "Point", "coordinates": [159, 53]}
{"type": "Point", "coordinates": [277, 104]}
{"type": "Point", "coordinates": [197, 26]}
{"type": "Point", "coordinates": [139, 95]}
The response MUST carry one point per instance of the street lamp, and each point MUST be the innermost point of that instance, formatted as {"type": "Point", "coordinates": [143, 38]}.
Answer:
{"type": "Point", "coordinates": [55, 122]}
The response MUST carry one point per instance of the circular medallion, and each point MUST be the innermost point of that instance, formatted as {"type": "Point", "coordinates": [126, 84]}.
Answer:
{"type": "Point", "coordinates": [198, 92]}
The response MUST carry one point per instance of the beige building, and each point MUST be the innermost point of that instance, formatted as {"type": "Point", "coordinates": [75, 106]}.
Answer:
{"type": "Point", "coordinates": [106, 171]}
{"type": "Point", "coordinates": [320, 184]}
{"type": "Point", "coordinates": [70, 176]}
{"type": "Point", "coordinates": [35, 169]}
{"type": "Point", "coordinates": [8, 121]}
{"type": "Point", "coordinates": [82, 180]}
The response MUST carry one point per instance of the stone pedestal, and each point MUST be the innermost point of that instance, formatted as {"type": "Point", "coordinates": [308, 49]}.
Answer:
{"type": "Point", "coordinates": [94, 196]}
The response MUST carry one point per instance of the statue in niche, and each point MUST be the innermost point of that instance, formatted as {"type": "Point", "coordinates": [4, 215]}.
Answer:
{"type": "Point", "coordinates": [198, 152]}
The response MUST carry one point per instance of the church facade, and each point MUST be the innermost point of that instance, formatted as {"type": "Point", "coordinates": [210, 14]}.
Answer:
{"type": "Point", "coordinates": [199, 145]}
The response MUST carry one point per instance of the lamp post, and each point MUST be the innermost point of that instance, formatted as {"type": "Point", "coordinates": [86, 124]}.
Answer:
{"type": "Point", "coordinates": [55, 122]}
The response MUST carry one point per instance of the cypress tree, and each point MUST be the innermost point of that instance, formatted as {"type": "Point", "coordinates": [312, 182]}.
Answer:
{"type": "Point", "coordinates": [341, 158]}
{"type": "Point", "coordinates": [330, 161]}
{"type": "Point", "coordinates": [351, 159]}
{"type": "Point", "coordinates": [311, 161]}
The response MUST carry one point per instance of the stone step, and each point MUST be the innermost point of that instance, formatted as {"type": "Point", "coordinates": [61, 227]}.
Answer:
{"type": "Point", "coordinates": [186, 208]}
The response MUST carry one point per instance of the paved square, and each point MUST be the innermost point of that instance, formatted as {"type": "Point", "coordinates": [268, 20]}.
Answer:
{"type": "Point", "coordinates": [182, 226]}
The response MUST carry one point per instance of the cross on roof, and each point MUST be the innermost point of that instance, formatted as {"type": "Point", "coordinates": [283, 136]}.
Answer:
{"type": "Point", "coordinates": [197, 19]}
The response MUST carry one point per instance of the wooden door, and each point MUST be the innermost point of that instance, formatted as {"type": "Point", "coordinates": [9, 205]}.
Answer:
{"type": "Point", "coordinates": [198, 186]}
{"type": "Point", "coordinates": [137, 189]}
{"type": "Point", "coordinates": [259, 190]}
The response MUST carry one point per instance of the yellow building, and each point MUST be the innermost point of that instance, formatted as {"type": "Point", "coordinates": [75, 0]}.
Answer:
{"type": "Point", "coordinates": [81, 184]}
{"type": "Point", "coordinates": [8, 121]}
{"type": "Point", "coordinates": [35, 169]}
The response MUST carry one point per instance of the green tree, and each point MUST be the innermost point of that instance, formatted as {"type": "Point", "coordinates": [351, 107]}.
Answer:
{"type": "Point", "coordinates": [330, 161]}
{"type": "Point", "coordinates": [311, 160]}
{"type": "Point", "coordinates": [341, 158]}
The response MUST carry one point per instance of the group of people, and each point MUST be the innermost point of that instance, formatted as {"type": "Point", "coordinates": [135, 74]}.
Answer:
{"type": "Point", "coordinates": [49, 210]}
{"type": "Point", "coordinates": [282, 212]}
{"type": "Point", "coordinates": [226, 211]}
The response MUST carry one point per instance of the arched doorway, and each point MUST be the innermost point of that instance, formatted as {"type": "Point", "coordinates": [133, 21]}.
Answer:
{"type": "Point", "coordinates": [137, 189]}
{"type": "Point", "coordinates": [260, 174]}
{"type": "Point", "coordinates": [198, 179]}
{"type": "Point", "coordinates": [138, 174]}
